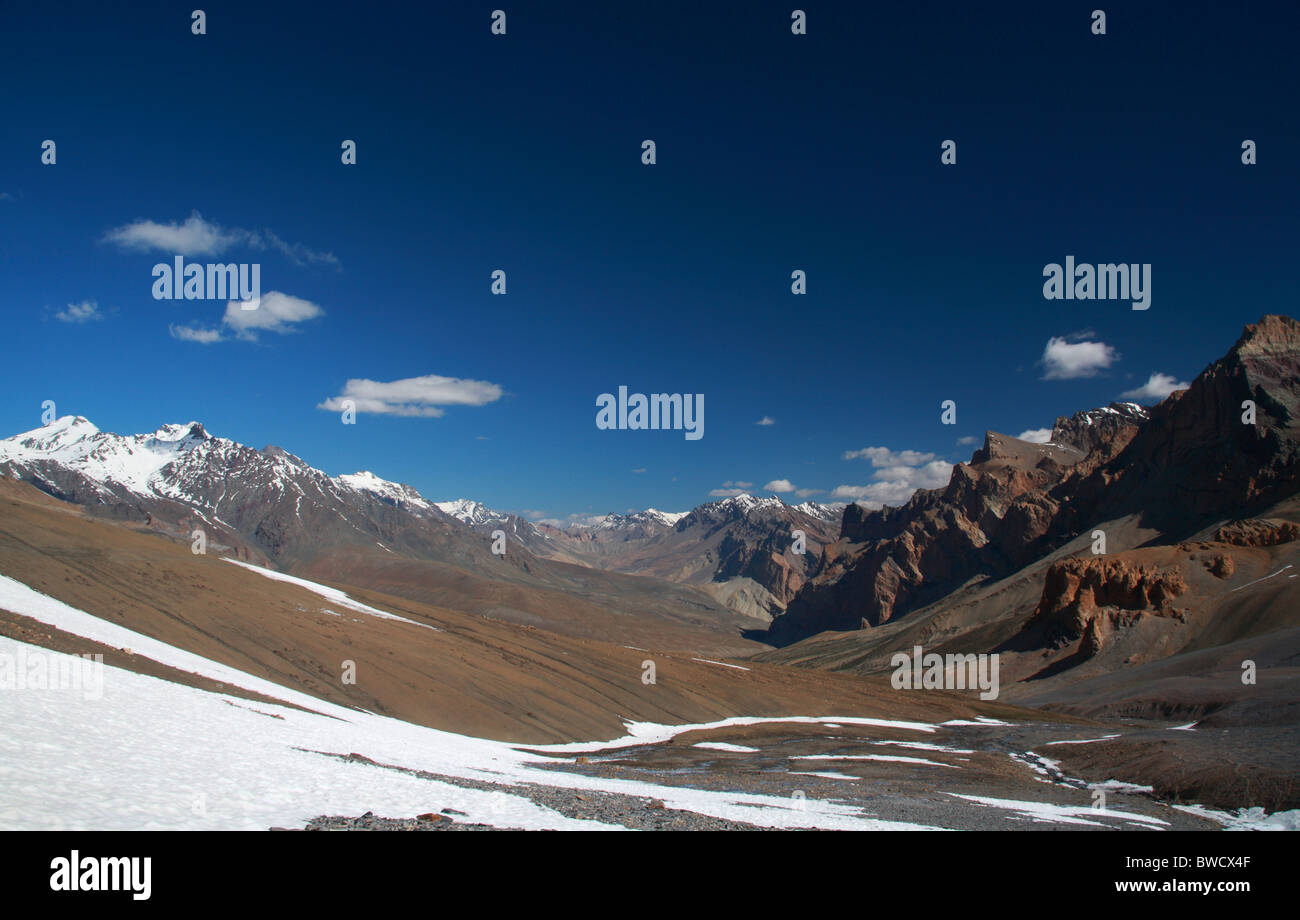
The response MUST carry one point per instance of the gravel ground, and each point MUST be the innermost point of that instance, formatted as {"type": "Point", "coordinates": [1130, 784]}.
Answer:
{"type": "Point", "coordinates": [989, 763]}
{"type": "Point", "coordinates": [633, 812]}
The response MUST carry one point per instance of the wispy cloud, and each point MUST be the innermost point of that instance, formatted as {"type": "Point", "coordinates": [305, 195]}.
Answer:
{"type": "Point", "coordinates": [1157, 387]}
{"type": "Point", "coordinates": [725, 493]}
{"type": "Point", "coordinates": [968, 440]}
{"type": "Point", "coordinates": [297, 253]}
{"type": "Point", "coordinates": [779, 485]}
{"type": "Point", "coordinates": [195, 236]}
{"type": "Point", "coordinates": [766, 420]}
{"type": "Point", "coordinates": [1069, 358]}
{"type": "Point", "coordinates": [84, 312]}
{"type": "Point", "coordinates": [1036, 435]}
{"type": "Point", "coordinates": [420, 397]}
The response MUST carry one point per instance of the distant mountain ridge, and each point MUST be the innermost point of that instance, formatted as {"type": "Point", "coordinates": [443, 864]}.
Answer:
{"type": "Point", "coordinates": [739, 549]}
{"type": "Point", "coordinates": [272, 508]}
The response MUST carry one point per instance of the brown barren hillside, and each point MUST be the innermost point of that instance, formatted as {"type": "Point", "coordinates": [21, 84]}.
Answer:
{"type": "Point", "coordinates": [469, 674]}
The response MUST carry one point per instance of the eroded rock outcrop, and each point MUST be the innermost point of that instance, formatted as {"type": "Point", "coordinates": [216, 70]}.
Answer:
{"type": "Point", "coordinates": [1258, 532]}
{"type": "Point", "coordinates": [1088, 599]}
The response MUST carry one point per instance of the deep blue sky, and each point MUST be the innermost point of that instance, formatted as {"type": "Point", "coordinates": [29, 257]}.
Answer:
{"type": "Point", "coordinates": [522, 152]}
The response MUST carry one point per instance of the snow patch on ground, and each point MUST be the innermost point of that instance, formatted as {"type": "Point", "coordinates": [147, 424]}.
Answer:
{"type": "Point", "coordinates": [330, 594]}
{"type": "Point", "coordinates": [640, 733]}
{"type": "Point", "coordinates": [978, 720]}
{"type": "Point", "coordinates": [887, 758]}
{"type": "Point", "coordinates": [722, 663]}
{"type": "Point", "coordinates": [925, 746]}
{"type": "Point", "coordinates": [1247, 819]}
{"type": "Point", "coordinates": [724, 746]}
{"type": "Point", "coordinates": [1060, 814]}
{"type": "Point", "coordinates": [1117, 785]}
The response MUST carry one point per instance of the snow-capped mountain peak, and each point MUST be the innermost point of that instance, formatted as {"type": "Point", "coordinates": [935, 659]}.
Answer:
{"type": "Point", "coordinates": [831, 512]}
{"type": "Point", "coordinates": [649, 517]}
{"type": "Point", "coordinates": [744, 503]}
{"type": "Point", "coordinates": [173, 433]}
{"type": "Point", "coordinates": [470, 512]}
{"type": "Point", "coordinates": [102, 457]}
{"type": "Point", "coordinates": [67, 429]}
{"type": "Point", "coordinates": [668, 517]}
{"type": "Point", "coordinates": [394, 493]}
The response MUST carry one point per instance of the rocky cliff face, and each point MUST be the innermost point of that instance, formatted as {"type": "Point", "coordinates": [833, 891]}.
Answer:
{"type": "Point", "coordinates": [1201, 454]}
{"type": "Point", "coordinates": [991, 518]}
{"type": "Point", "coordinates": [1191, 459]}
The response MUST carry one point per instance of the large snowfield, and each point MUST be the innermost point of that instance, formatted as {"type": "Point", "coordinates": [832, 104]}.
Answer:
{"type": "Point", "coordinates": [152, 754]}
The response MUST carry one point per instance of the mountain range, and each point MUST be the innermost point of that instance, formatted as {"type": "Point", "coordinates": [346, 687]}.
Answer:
{"type": "Point", "coordinates": [1132, 566]}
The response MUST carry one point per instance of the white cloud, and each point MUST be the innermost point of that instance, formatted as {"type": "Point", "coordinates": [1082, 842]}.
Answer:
{"type": "Point", "coordinates": [739, 484]}
{"type": "Point", "coordinates": [1157, 387]}
{"type": "Point", "coordinates": [807, 493]}
{"type": "Point", "coordinates": [1068, 360]}
{"type": "Point", "coordinates": [766, 420]}
{"type": "Point", "coordinates": [195, 236]}
{"type": "Point", "coordinates": [726, 493]}
{"type": "Point", "coordinates": [1036, 435]}
{"type": "Point", "coordinates": [276, 312]}
{"type": "Point", "coordinates": [84, 312]}
{"type": "Point", "coordinates": [195, 334]}
{"type": "Point", "coordinates": [883, 456]}
{"type": "Point", "coordinates": [898, 474]}
{"type": "Point", "coordinates": [779, 485]}
{"type": "Point", "coordinates": [968, 440]}
{"type": "Point", "coordinates": [413, 396]}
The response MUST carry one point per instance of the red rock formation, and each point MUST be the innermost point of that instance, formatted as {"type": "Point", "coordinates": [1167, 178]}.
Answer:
{"type": "Point", "coordinates": [1258, 532]}
{"type": "Point", "coordinates": [1089, 598]}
